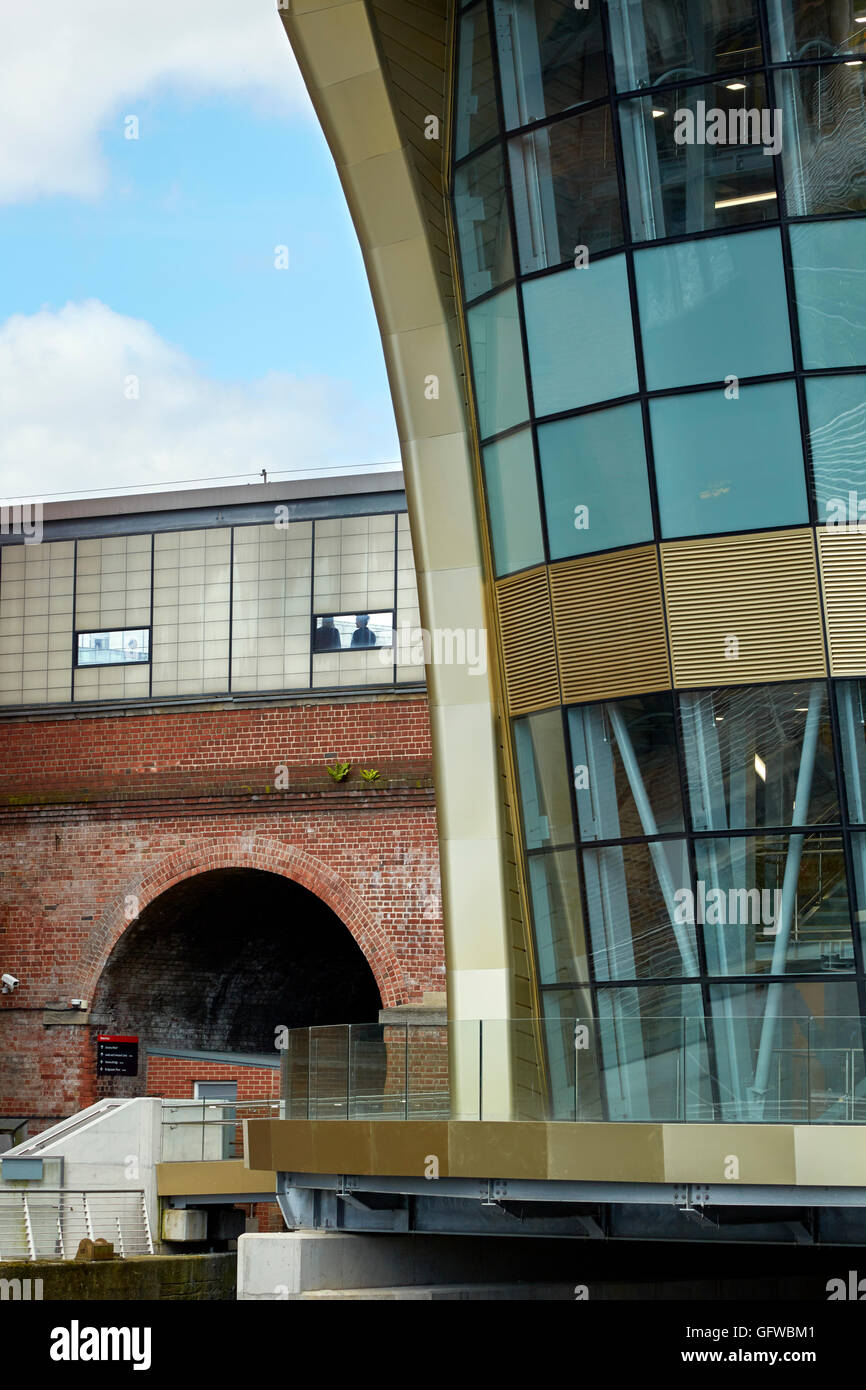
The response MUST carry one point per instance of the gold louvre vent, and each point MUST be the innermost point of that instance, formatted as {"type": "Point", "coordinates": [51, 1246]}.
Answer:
{"type": "Point", "coordinates": [609, 625]}
{"type": "Point", "coordinates": [743, 609]}
{"type": "Point", "coordinates": [526, 633]}
{"type": "Point", "coordinates": [843, 574]}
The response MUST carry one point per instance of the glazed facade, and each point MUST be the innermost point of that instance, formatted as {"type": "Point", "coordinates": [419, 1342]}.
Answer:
{"type": "Point", "coordinates": [659, 216]}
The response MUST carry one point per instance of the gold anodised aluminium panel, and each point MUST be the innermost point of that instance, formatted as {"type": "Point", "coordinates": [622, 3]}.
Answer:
{"type": "Point", "coordinates": [743, 609]}
{"type": "Point", "coordinates": [843, 575]}
{"type": "Point", "coordinates": [526, 634]}
{"type": "Point", "coordinates": [609, 625]}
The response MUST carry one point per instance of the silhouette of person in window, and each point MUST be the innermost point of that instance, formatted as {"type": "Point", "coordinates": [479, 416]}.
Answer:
{"type": "Point", "coordinates": [326, 637]}
{"type": "Point", "coordinates": [362, 636]}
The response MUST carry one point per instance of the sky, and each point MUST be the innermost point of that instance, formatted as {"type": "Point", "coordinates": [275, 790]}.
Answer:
{"type": "Point", "coordinates": [182, 296]}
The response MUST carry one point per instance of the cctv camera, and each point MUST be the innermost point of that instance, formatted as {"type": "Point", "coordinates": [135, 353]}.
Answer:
{"type": "Point", "coordinates": [9, 983]}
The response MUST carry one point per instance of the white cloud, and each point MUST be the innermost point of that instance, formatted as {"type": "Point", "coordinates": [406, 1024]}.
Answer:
{"type": "Point", "coordinates": [71, 421]}
{"type": "Point", "coordinates": [66, 71]}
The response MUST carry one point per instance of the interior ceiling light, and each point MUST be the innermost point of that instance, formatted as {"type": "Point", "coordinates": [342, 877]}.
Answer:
{"type": "Point", "coordinates": [761, 768]}
{"type": "Point", "coordinates": [744, 198]}
{"type": "Point", "coordinates": [735, 86]}
{"type": "Point", "coordinates": [658, 111]}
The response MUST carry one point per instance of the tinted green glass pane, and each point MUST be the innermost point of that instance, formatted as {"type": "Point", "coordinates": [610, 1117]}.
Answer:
{"type": "Point", "coordinates": [816, 29]}
{"type": "Point", "coordinates": [829, 261]}
{"type": "Point", "coordinates": [512, 503]}
{"type": "Point", "coordinates": [551, 56]}
{"type": "Point", "coordinates": [657, 40]}
{"type": "Point", "coordinates": [747, 750]}
{"type": "Point", "coordinates": [624, 767]}
{"type": "Point", "coordinates": [713, 308]}
{"type": "Point", "coordinates": [837, 447]}
{"type": "Point", "coordinates": [564, 185]}
{"type": "Point", "coordinates": [572, 1057]}
{"type": "Point", "coordinates": [579, 332]}
{"type": "Point", "coordinates": [542, 766]}
{"type": "Point", "coordinates": [851, 703]}
{"type": "Point", "coordinates": [653, 1050]}
{"type": "Point", "coordinates": [729, 465]}
{"type": "Point", "coordinates": [558, 917]}
{"type": "Point", "coordinates": [481, 214]}
{"type": "Point", "coordinates": [497, 363]}
{"type": "Point", "coordinates": [825, 165]}
{"type": "Point", "coordinates": [594, 474]}
{"type": "Point", "coordinates": [475, 115]}
{"type": "Point", "coordinates": [632, 905]}
{"type": "Point", "coordinates": [688, 184]}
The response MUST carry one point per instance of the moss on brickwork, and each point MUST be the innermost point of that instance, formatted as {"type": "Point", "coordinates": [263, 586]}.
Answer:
{"type": "Point", "coordinates": [177, 1278]}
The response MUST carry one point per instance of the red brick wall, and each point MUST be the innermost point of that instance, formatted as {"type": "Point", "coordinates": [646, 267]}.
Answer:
{"type": "Point", "coordinates": [175, 1077]}
{"type": "Point", "coordinates": [100, 812]}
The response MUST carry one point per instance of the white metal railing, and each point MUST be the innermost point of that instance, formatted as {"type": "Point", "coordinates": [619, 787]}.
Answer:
{"type": "Point", "coordinates": [49, 1223]}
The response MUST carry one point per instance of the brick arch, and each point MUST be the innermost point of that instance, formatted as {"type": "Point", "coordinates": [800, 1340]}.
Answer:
{"type": "Point", "coordinates": [271, 857]}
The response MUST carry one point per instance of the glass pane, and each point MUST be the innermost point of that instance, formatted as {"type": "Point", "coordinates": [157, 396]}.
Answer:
{"type": "Point", "coordinates": [850, 703]}
{"type": "Point", "coordinates": [579, 333]}
{"type": "Point", "coordinates": [572, 1044]}
{"type": "Point", "coordinates": [788, 1052]}
{"type": "Point", "coordinates": [543, 770]}
{"type": "Point", "coordinates": [693, 186]}
{"type": "Point", "coordinates": [830, 282]}
{"type": "Point", "coordinates": [350, 631]}
{"type": "Point", "coordinates": [759, 756]}
{"type": "Point", "coordinates": [858, 857]}
{"type": "Point", "coordinates": [816, 29]}
{"type": "Point", "coordinates": [655, 41]}
{"type": "Point", "coordinates": [551, 56]}
{"type": "Point", "coordinates": [564, 185]}
{"type": "Point", "coordinates": [512, 501]}
{"type": "Point", "coordinates": [594, 473]}
{"type": "Point", "coordinates": [825, 164]}
{"type": "Point", "coordinates": [837, 447]}
{"type": "Point", "coordinates": [729, 465]}
{"type": "Point", "coordinates": [558, 917]}
{"type": "Point", "coordinates": [118, 648]}
{"type": "Point", "coordinates": [653, 1053]}
{"type": "Point", "coordinates": [481, 213]}
{"type": "Point", "coordinates": [712, 308]}
{"type": "Point", "coordinates": [497, 363]}
{"type": "Point", "coordinates": [634, 911]}
{"type": "Point", "coordinates": [772, 904]}
{"type": "Point", "coordinates": [624, 762]}
{"type": "Point", "coordinates": [476, 119]}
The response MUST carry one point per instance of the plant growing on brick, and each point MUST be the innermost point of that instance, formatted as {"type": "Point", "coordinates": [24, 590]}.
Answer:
{"type": "Point", "coordinates": [369, 774]}
{"type": "Point", "coordinates": [339, 771]}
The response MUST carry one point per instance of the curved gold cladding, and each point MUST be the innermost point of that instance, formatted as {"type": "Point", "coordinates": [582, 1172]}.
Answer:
{"type": "Point", "coordinates": [743, 609]}
{"type": "Point", "coordinates": [842, 555]}
{"type": "Point", "coordinates": [609, 625]}
{"type": "Point", "coordinates": [526, 637]}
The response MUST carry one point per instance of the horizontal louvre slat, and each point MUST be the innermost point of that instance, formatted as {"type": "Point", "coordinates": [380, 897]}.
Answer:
{"type": "Point", "coordinates": [609, 625]}
{"type": "Point", "coordinates": [761, 590]}
{"type": "Point", "coordinates": [843, 575]}
{"type": "Point", "coordinates": [526, 633]}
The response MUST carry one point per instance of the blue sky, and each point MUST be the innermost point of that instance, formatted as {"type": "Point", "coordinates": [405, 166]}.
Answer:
{"type": "Point", "coordinates": [162, 262]}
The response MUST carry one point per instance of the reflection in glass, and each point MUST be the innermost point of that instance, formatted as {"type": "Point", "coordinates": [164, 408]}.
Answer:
{"type": "Point", "coordinates": [759, 756]}
{"type": "Point", "coordinates": [653, 1050]}
{"type": "Point", "coordinates": [633, 897]}
{"type": "Point", "coordinates": [837, 448]}
{"type": "Point", "coordinates": [596, 489]}
{"type": "Point", "coordinates": [497, 363]}
{"type": "Point", "coordinates": [850, 699]}
{"type": "Point", "coordinates": [572, 1056]}
{"type": "Point", "coordinates": [713, 307]}
{"type": "Point", "coordinates": [692, 187]}
{"type": "Point", "coordinates": [825, 162]}
{"type": "Point", "coordinates": [512, 502]}
{"type": "Point", "coordinates": [558, 917]}
{"type": "Point", "coordinates": [475, 114]}
{"type": "Point", "coordinates": [830, 281]}
{"type": "Point", "coordinates": [543, 771]}
{"type": "Point", "coordinates": [656, 41]}
{"type": "Point", "coordinates": [789, 1052]}
{"type": "Point", "coordinates": [773, 904]}
{"type": "Point", "coordinates": [566, 196]}
{"type": "Point", "coordinates": [816, 29]}
{"type": "Point", "coordinates": [580, 337]}
{"type": "Point", "coordinates": [725, 465]}
{"type": "Point", "coordinates": [551, 56]}
{"type": "Point", "coordinates": [353, 631]}
{"type": "Point", "coordinates": [117, 648]}
{"type": "Point", "coordinates": [482, 223]}
{"type": "Point", "coordinates": [624, 763]}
